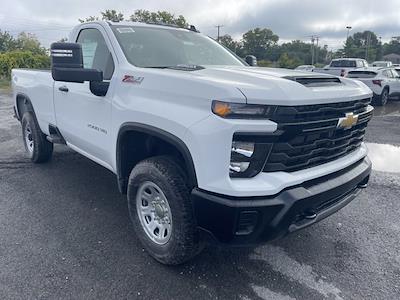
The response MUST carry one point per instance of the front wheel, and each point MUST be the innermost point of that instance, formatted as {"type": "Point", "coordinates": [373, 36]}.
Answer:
{"type": "Point", "coordinates": [39, 149]}
{"type": "Point", "coordinates": [161, 211]}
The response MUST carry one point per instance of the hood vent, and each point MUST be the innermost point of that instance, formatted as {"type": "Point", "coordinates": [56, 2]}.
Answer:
{"type": "Point", "coordinates": [315, 81]}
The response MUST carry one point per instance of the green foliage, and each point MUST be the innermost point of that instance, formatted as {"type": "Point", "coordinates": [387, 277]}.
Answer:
{"type": "Point", "coordinates": [285, 61]}
{"type": "Point", "coordinates": [24, 42]}
{"type": "Point", "coordinates": [112, 15]}
{"type": "Point", "coordinates": [4, 84]}
{"type": "Point", "coordinates": [357, 44]}
{"type": "Point", "coordinates": [145, 16]}
{"type": "Point", "coordinates": [7, 42]}
{"type": "Point", "coordinates": [231, 44]}
{"type": "Point", "coordinates": [108, 15]}
{"type": "Point", "coordinates": [257, 42]}
{"type": "Point", "coordinates": [22, 59]}
{"type": "Point", "coordinates": [392, 47]}
{"type": "Point", "coordinates": [24, 51]}
{"type": "Point", "coordinates": [266, 63]}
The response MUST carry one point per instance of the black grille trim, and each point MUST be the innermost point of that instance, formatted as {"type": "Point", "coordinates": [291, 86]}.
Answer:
{"type": "Point", "coordinates": [301, 143]}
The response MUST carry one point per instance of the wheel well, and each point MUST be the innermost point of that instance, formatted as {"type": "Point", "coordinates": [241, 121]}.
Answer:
{"type": "Point", "coordinates": [138, 142]}
{"type": "Point", "coordinates": [23, 105]}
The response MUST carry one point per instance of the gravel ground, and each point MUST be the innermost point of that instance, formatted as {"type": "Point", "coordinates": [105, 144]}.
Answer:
{"type": "Point", "coordinates": [65, 233]}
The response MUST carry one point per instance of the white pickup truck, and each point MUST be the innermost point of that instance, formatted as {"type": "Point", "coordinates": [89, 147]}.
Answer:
{"type": "Point", "coordinates": [341, 66]}
{"type": "Point", "coordinates": [206, 147]}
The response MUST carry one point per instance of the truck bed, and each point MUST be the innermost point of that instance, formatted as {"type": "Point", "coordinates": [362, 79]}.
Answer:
{"type": "Point", "coordinates": [38, 84]}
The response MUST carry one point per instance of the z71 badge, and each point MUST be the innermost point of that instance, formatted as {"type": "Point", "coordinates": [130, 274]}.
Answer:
{"type": "Point", "coordinates": [132, 79]}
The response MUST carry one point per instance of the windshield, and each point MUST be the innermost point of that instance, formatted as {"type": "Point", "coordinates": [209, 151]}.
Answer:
{"type": "Point", "coordinates": [343, 63]}
{"type": "Point", "coordinates": [153, 47]}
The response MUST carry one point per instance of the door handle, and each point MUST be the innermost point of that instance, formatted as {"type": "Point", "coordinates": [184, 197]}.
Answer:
{"type": "Point", "coordinates": [63, 89]}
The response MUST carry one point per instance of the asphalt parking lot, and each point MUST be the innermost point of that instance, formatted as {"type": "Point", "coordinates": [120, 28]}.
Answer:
{"type": "Point", "coordinates": [65, 233]}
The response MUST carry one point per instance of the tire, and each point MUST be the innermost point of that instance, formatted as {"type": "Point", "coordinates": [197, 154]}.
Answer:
{"type": "Point", "coordinates": [382, 99]}
{"type": "Point", "coordinates": [178, 238]}
{"type": "Point", "coordinates": [39, 149]}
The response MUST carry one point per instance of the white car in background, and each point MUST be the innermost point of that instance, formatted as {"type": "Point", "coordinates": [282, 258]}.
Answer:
{"type": "Point", "coordinates": [384, 82]}
{"type": "Point", "coordinates": [382, 64]}
{"type": "Point", "coordinates": [307, 68]}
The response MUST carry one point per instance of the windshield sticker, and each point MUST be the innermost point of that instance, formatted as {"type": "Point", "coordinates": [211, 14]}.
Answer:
{"type": "Point", "coordinates": [132, 79]}
{"type": "Point", "coordinates": [125, 29]}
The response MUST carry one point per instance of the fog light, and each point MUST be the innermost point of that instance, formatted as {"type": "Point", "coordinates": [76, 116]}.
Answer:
{"type": "Point", "coordinates": [238, 167]}
{"type": "Point", "coordinates": [241, 154]}
{"type": "Point", "coordinates": [248, 154]}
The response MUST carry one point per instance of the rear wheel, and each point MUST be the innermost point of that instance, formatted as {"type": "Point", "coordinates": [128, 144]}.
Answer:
{"type": "Point", "coordinates": [161, 211]}
{"type": "Point", "coordinates": [38, 148]}
{"type": "Point", "coordinates": [383, 98]}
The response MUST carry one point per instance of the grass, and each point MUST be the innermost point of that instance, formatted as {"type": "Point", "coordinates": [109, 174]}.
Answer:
{"type": "Point", "coordinates": [4, 84]}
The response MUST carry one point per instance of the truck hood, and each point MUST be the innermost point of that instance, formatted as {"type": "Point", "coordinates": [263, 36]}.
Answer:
{"type": "Point", "coordinates": [279, 86]}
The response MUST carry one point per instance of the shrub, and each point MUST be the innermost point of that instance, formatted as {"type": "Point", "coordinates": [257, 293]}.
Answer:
{"type": "Point", "coordinates": [21, 59]}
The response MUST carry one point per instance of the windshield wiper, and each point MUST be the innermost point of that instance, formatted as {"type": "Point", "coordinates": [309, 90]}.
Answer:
{"type": "Point", "coordinates": [179, 67]}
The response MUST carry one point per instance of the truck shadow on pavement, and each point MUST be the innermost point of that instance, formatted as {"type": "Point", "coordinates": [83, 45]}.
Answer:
{"type": "Point", "coordinates": [77, 233]}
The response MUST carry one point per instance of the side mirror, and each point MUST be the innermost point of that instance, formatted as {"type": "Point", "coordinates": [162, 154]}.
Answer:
{"type": "Point", "coordinates": [251, 60]}
{"type": "Point", "coordinates": [67, 64]}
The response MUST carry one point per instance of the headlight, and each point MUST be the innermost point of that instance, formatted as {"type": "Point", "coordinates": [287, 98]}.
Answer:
{"type": "Point", "coordinates": [248, 156]}
{"type": "Point", "coordinates": [230, 110]}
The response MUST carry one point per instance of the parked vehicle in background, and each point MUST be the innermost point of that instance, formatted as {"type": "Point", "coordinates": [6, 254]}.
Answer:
{"type": "Point", "coordinates": [382, 64]}
{"type": "Point", "coordinates": [308, 68]}
{"type": "Point", "coordinates": [384, 82]}
{"type": "Point", "coordinates": [203, 145]}
{"type": "Point", "coordinates": [341, 66]}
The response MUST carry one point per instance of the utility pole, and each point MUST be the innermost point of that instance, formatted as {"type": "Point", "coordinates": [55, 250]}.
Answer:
{"type": "Point", "coordinates": [348, 31]}
{"type": "Point", "coordinates": [347, 37]}
{"type": "Point", "coordinates": [316, 51]}
{"type": "Point", "coordinates": [312, 49]}
{"type": "Point", "coordinates": [367, 45]}
{"type": "Point", "coordinates": [313, 39]}
{"type": "Point", "coordinates": [218, 27]}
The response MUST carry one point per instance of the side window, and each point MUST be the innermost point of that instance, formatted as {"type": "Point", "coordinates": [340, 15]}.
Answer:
{"type": "Point", "coordinates": [360, 64]}
{"type": "Point", "coordinates": [387, 73]}
{"type": "Point", "coordinates": [395, 74]}
{"type": "Point", "coordinates": [96, 54]}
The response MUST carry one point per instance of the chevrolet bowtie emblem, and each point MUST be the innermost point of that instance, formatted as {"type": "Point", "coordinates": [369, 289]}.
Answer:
{"type": "Point", "coordinates": [348, 121]}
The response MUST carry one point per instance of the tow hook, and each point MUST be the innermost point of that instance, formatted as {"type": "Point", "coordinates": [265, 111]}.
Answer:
{"type": "Point", "coordinates": [309, 215]}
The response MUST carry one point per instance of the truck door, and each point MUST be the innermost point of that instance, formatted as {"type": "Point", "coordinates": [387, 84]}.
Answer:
{"type": "Point", "coordinates": [83, 118]}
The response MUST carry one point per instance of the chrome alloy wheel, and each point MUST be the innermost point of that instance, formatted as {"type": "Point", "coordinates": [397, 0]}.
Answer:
{"type": "Point", "coordinates": [154, 212]}
{"type": "Point", "coordinates": [28, 138]}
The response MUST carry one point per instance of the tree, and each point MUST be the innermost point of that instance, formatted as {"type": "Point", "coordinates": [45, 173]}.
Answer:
{"type": "Point", "coordinates": [288, 62]}
{"type": "Point", "coordinates": [108, 15]}
{"type": "Point", "coordinates": [89, 19]}
{"type": "Point", "coordinates": [112, 15]}
{"type": "Point", "coordinates": [231, 44]}
{"type": "Point", "coordinates": [362, 45]}
{"type": "Point", "coordinates": [257, 41]}
{"type": "Point", "coordinates": [29, 42]}
{"type": "Point", "coordinates": [7, 42]}
{"type": "Point", "coordinates": [145, 16]}
{"type": "Point", "coordinates": [392, 47]}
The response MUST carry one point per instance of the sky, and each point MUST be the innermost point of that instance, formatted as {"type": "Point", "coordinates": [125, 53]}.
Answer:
{"type": "Point", "coordinates": [51, 20]}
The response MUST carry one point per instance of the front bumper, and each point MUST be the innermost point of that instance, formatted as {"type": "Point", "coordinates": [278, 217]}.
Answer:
{"type": "Point", "coordinates": [253, 220]}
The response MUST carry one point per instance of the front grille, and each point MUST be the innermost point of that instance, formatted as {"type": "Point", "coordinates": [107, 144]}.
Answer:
{"type": "Point", "coordinates": [308, 136]}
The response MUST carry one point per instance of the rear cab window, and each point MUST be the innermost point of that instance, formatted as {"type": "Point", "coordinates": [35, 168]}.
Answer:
{"type": "Point", "coordinates": [343, 63]}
